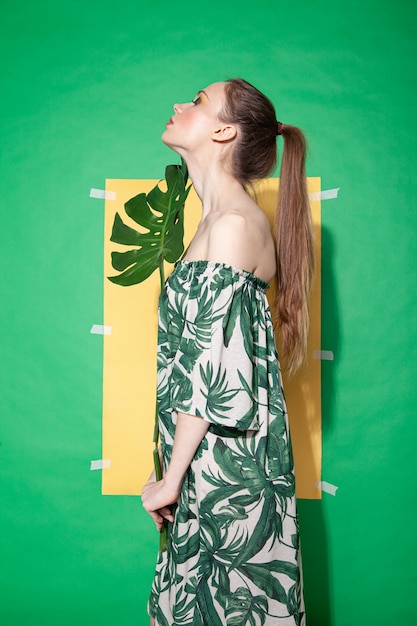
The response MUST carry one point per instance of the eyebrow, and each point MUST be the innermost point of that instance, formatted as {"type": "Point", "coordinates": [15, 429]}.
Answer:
{"type": "Point", "coordinates": [204, 92]}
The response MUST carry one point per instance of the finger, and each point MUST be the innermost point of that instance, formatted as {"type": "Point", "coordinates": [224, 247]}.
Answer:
{"type": "Point", "coordinates": [166, 513]}
{"type": "Point", "coordinates": [145, 501]}
{"type": "Point", "coordinates": [157, 518]}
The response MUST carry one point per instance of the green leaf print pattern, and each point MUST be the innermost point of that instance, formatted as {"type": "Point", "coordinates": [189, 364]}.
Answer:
{"type": "Point", "coordinates": [232, 553]}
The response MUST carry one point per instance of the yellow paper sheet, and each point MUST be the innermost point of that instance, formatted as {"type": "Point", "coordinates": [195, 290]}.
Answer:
{"type": "Point", "coordinates": [129, 370]}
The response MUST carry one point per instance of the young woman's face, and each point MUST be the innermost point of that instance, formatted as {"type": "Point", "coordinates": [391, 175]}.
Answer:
{"type": "Point", "coordinates": [194, 123]}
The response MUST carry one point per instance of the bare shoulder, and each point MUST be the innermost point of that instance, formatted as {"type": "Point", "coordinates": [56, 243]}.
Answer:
{"type": "Point", "coordinates": [228, 224]}
{"type": "Point", "coordinates": [246, 216]}
{"type": "Point", "coordinates": [242, 238]}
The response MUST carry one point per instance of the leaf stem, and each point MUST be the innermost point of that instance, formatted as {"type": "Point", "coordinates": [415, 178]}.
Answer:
{"type": "Point", "coordinates": [163, 537]}
{"type": "Point", "coordinates": [161, 275]}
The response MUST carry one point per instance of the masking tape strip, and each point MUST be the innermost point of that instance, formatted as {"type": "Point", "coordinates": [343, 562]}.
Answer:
{"type": "Point", "coordinates": [326, 487]}
{"type": "Point", "coordinates": [99, 329]}
{"type": "Point", "coordinates": [103, 194]}
{"type": "Point", "coordinates": [100, 464]}
{"type": "Point", "coordinates": [327, 194]}
{"type": "Point", "coordinates": [323, 355]}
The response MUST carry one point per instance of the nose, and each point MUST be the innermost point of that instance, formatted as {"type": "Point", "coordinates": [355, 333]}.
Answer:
{"type": "Point", "coordinates": [177, 108]}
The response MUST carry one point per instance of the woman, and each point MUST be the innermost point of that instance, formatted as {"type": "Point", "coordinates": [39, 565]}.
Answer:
{"type": "Point", "coordinates": [228, 492]}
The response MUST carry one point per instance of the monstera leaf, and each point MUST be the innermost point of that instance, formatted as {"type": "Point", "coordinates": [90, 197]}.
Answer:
{"type": "Point", "coordinates": [161, 216]}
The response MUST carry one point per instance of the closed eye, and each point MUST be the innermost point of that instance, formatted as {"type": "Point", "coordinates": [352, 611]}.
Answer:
{"type": "Point", "coordinates": [197, 100]}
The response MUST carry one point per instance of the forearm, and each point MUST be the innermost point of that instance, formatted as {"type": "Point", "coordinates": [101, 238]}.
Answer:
{"type": "Point", "coordinates": [189, 432]}
{"type": "Point", "coordinates": [158, 496]}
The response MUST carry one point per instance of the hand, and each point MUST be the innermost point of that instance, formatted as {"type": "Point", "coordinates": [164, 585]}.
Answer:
{"type": "Point", "coordinates": [156, 496]}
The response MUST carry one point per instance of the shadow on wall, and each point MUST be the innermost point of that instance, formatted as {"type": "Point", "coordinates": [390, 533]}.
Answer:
{"type": "Point", "coordinates": [316, 561]}
{"type": "Point", "coordinates": [313, 529]}
{"type": "Point", "coordinates": [330, 329]}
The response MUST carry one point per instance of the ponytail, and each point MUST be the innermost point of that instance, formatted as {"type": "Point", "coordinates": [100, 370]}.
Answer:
{"type": "Point", "coordinates": [253, 158]}
{"type": "Point", "coordinates": [295, 249]}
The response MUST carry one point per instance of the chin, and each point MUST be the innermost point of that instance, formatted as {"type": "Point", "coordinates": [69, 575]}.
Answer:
{"type": "Point", "coordinates": [165, 139]}
{"type": "Point", "coordinates": [169, 144]}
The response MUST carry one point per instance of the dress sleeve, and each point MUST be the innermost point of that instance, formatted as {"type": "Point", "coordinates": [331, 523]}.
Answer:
{"type": "Point", "coordinates": [215, 369]}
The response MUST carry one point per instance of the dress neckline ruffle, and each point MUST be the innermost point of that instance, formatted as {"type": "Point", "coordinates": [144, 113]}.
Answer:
{"type": "Point", "coordinates": [201, 265]}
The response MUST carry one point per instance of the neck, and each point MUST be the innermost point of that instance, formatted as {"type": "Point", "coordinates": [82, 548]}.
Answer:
{"type": "Point", "coordinates": [214, 185]}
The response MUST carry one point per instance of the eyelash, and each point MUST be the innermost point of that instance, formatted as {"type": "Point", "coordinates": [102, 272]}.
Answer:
{"type": "Point", "coordinates": [197, 100]}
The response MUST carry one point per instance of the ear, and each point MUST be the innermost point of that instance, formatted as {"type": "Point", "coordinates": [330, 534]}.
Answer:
{"type": "Point", "coordinates": [223, 133]}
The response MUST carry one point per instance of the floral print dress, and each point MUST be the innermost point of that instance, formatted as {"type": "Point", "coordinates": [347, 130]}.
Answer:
{"type": "Point", "coordinates": [232, 555]}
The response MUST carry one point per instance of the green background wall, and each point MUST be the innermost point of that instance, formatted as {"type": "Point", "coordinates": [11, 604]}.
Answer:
{"type": "Point", "coordinates": [86, 89]}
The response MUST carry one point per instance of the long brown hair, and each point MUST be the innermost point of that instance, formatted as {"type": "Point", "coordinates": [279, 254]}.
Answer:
{"type": "Point", "coordinates": [254, 157]}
